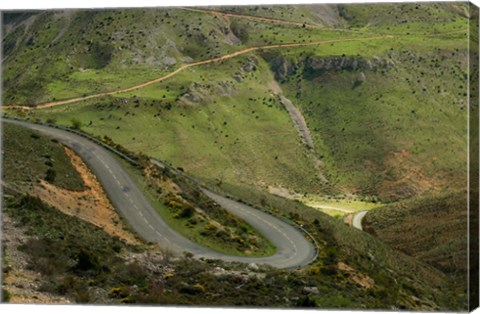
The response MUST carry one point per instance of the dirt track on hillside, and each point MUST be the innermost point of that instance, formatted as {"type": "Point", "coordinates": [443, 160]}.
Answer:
{"type": "Point", "coordinates": [254, 18]}
{"type": "Point", "coordinates": [272, 20]}
{"type": "Point", "coordinates": [189, 65]}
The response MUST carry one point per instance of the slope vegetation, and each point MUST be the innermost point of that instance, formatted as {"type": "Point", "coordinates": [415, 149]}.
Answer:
{"type": "Point", "coordinates": [196, 120]}
{"type": "Point", "coordinates": [388, 118]}
{"type": "Point", "coordinates": [63, 54]}
{"type": "Point", "coordinates": [81, 263]}
{"type": "Point", "coordinates": [371, 106]}
{"type": "Point", "coordinates": [431, 229]}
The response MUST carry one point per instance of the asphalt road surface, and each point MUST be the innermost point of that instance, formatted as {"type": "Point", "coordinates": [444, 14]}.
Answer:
{"type": "Point", "coordinates": [292, 248]}
{"type": "Point", "coordinates": [357, 219]}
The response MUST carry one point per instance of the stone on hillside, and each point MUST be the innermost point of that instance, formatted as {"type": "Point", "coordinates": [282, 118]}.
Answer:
{"type": "Point", "coordinates": [169, 61]}
{"type": "Point", "coordinates": [238, 77]}
{"type": "Point", "coordinates": [361, 78]}
{"type": "Point", "coordinates": [311, 290]}
{"type": "Point", "coordinates": [339, 63]}
{"type": "Point", "coordinates": [253, 266]}
{"type": "Point", "coordinates": [251, 65]}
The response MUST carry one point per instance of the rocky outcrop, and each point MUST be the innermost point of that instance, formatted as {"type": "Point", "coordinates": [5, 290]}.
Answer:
{"type": "Point", "coordinates": [203, 93]}
{"type": "Point", "coordinates": [314, 65]}
{"type": "Point", "coordinates": [282, 67]}
{"type": "Point", "coordinates": [338, 63]}
{"type": "Point", "coordinates": [250, 65]}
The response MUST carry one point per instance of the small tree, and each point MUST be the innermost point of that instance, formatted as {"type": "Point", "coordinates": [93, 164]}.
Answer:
{"type": "Point", "coordinates": [50, 175]}
{"type": "Point", "coordinates": [76, 124]}
{"type": "Point", "coordinates": [51, 120]}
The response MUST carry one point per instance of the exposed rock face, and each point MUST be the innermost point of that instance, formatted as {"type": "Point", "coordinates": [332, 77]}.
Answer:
{"type": "Point", "coordinates": [282, 68]}
{"type": "Point", "coordinates": [361, 78]}
{"type": "Point", "coordinates": [238, 77]}
{"type": "Point", "coordinates": [311, 290]}
{"type": "Point", "coordinates": [338, 63]}
{"type": "Point", "coordinates": [250, 65]}
{"type": "Point", "coordinates": [202, 93]}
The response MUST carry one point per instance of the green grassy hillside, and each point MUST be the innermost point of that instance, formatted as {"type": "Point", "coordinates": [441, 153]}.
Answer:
{"type": "Point", "coordinates": [406, 17]}
{"type": "Point", "coordinates": [206, 122]}
{"type": "Point", "coordinates": [376, 136]}
{"type": "Point", "coordinates": [315, 15]}
{"type": "Point", "coordinates": [28, 156]}
{"type": "Point", "coordinates": [390, 116]}
{"type": "Point", "coordinates": [62, 54]}
{"type": "Point", "coordinates": [81, 262]}
{"type": "Point", "coordinates": [81, 52]}
{"type": "Point", "coordinates": [383, 93]}
{"type": "Point", "coordinates": [431, 229]}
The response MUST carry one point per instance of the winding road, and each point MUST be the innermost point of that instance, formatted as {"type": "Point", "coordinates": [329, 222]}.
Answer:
{"type": "Point", "coordinates": [292, 248]}
{"type": "Point", "coordinates": [358, 218]}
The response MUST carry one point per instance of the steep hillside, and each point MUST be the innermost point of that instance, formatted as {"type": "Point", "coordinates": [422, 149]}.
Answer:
{"type": "Point", "coordinates": [406, 17]}
{"type": "Point", "coordinates": [41, 159]}
{"type": "Point", "coordinates": [61, 54]}
{"type": "Point", "coordinates": [197, 120]}
{"type": "Point", "coordinates": [75, 261]}
{"type": "Point", "coordinates": [390, 116]}
{"type": "Point", "coordinates": [182, 205]}
{"type": "Point", "coordinates": [34, 164]}
{"type": "Point", "coordinates": [315, 15]}
{"type": "Point", "coordinates": [431, 229]}
{"type": "Point", "coordinates": [360, 250]}
{"type": "Point", "coordinates": [335, 102]}
{"type": "Point", "coordinates": [78, 52]}
{"type": "Point", "coordinates": [372, 104]}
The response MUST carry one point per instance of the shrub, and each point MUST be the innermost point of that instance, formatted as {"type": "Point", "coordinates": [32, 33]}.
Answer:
{"type": "Point", "coordinates": [119, 292]}
{"type": "Point", "coordinates": [195, 289]}
{"type": "Point", "coordinates": [306, 302]}
{"type": "Point", "coordinates": [240, 31]}
{"type": "Point", "coordinates": [175, 204]}
{"type": "Point", "coordinates": [50, 175]}
{"type": "Point", "coordinates": [82, 295]}
{"type": "Point", "coordinates": [187, 212]}
{"type": "Point", "coordinates": [76, 124]}
{"type": "Point", "coordinates": [5, 295]}
{"type": "Point", "coordinates": [86, 261]}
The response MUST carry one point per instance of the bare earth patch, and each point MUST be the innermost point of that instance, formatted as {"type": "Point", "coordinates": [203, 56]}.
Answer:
{"type": "Point", "coordinates": [410, 178]}
{"type": "Point", "coordinates": [283, 192]}
{"type": "Point", "coordinates": [357, 277]}
{"type": "Point", "coordinates": [91, 205]}
{"type": "Point", "coordinates": [348, 219]}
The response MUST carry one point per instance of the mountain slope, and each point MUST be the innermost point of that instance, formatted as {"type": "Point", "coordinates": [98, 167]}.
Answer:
{"type": "Point", "coordinates": [375, 109]}
{"type": "Point", "coordinates": [378, 93]}
{"type": "Point", "coordinates": [432, 229]}
{"type": "Point", "coordinates": [353, 268]}
{"type": "Point", "coordinates": [362, 128]}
